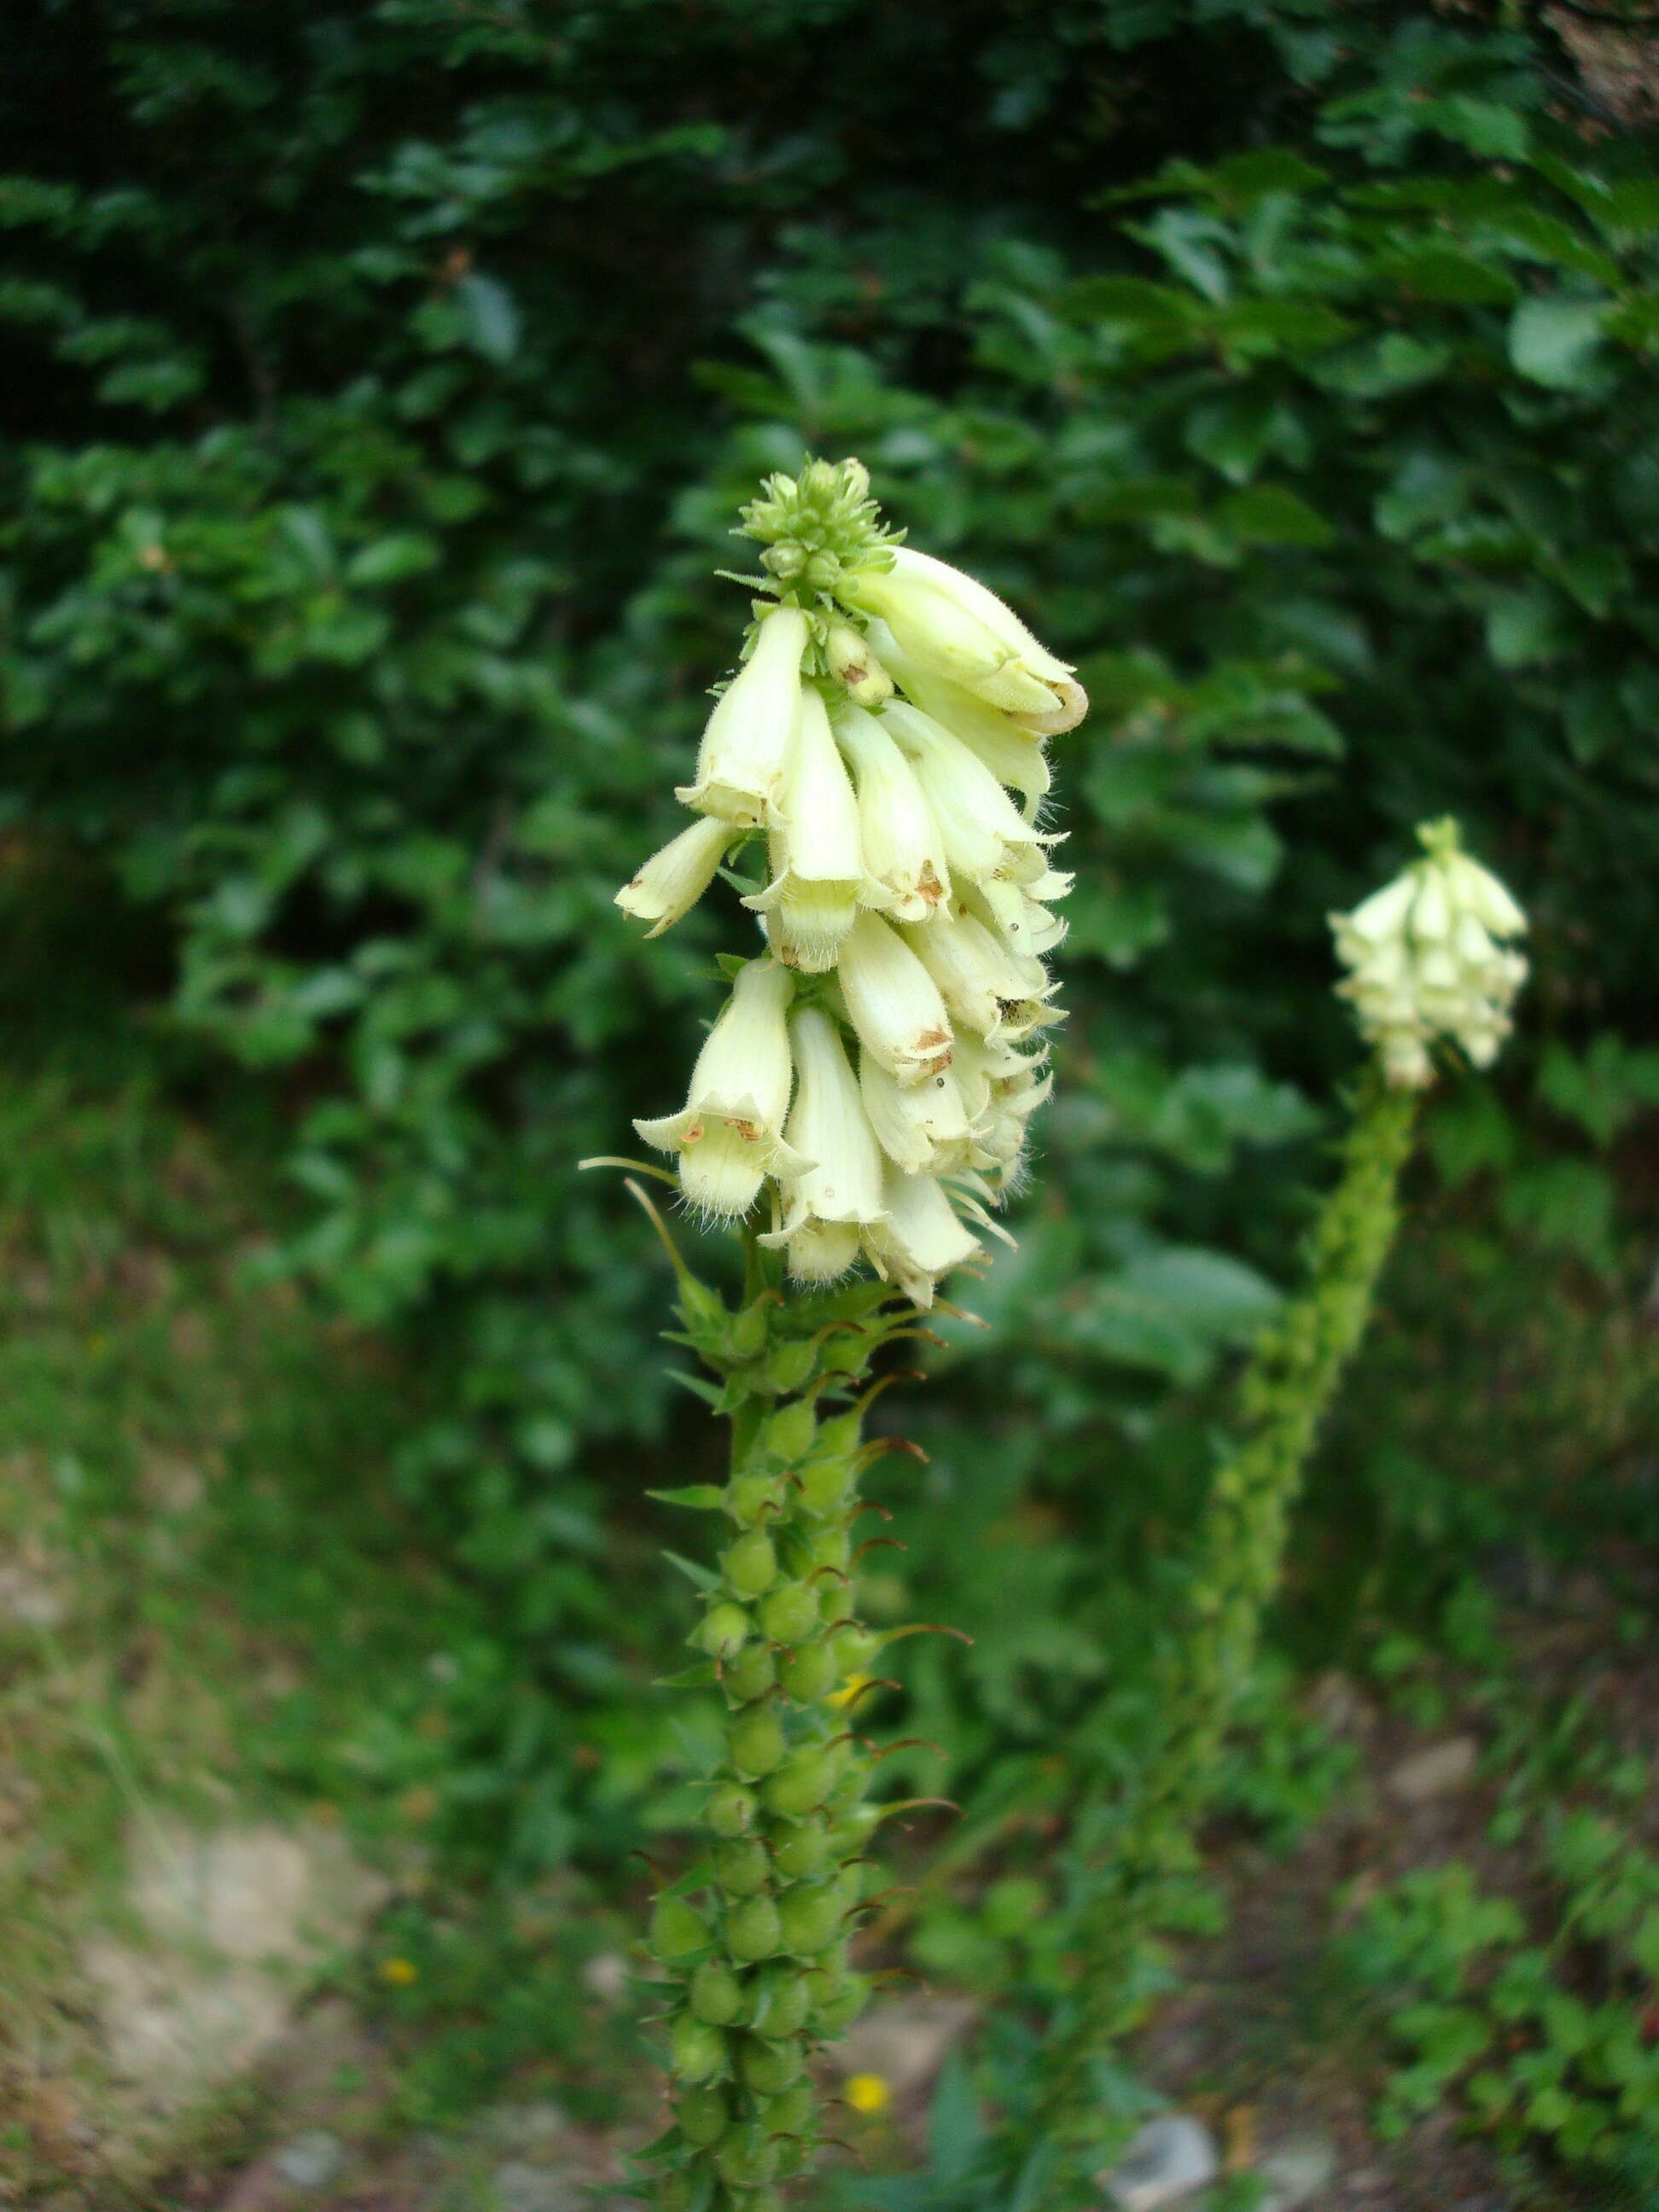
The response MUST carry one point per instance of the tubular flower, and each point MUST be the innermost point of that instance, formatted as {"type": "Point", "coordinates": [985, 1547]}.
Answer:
{"type": "Point", "coordinates": [672, 880]}
{"type": "Point", "coordinates": [893, 1002]}
{"type": "Point", "coordinates": [982, 828]}
{"type": "Point", "coordinates": [921, 1238]}
{"type": "Point", "coordinates": [1013, 753]}
{"type": "Point", "coordinates": [729, 1135]}
{"type": "Point", "coordinates": [817, 856]}
{"type": "Point", "coordinates": [741, 759]}
{"type": "Point", "coordinates": [923, 1128]}
{"type": "Point", "coordinates": [1428, 958]}
{"type": "Point", "coordinates": [830, 1203]}
{"type": "Point", "coordinates": [980, 981]}
{"type": "Point", "coordinates": [903, 848]}
{"type": "Point", "coordinates": [958, 629]}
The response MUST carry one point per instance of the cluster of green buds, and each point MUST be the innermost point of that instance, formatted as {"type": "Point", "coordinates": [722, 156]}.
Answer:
{"type": "Point", "coordinates": [1429, 957]}
{"type": "Point", "coordinates": [753, 1937]}
{"type": "Point", "coordinates": [884, 744]}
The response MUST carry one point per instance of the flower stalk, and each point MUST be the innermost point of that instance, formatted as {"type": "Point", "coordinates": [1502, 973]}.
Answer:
{"type": "Point", "coordinates": [1428, 964]}
{"type": "Point", "coordinates": [903, 910]}
{"type": "Point", "coordinates": [1289, 1385]}
{"type": "Point", "coordinates": [753, 1937]}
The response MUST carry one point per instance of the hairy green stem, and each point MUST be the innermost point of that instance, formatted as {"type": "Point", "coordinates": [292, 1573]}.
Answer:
{"type": "Point", "coordinates": [1285, 1392]}
{"type": "Point", "coordinates": [754, 1935]}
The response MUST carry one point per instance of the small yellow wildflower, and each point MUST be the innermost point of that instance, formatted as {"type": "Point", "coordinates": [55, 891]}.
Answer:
{"type": "Point", "coordinates": [868, 2093]}
{"type": "Point", "coordinates": [400, 1973]}
{"type": "Point", "coordinates": [842, 1697]}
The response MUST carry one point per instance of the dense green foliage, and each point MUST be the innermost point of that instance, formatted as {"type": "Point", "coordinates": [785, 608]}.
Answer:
{"type": "Point", "coordinates": [385, 382]}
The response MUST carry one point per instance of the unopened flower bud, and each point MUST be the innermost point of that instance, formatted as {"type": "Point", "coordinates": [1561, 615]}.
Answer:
{"type": "Point", "coordinates": [672, 880]}
{"type": "Point", "coordinates": [852, 662]}
{"type": "Point", "coordinates": [701, 2111]}
{"type": "Point", "coordinates": [789, 1613]}
{"type": "Point", "coordinates": [752, 1931]}
{"type": "Point", "coordinates": [757, 1743]}
{"type": "Point", "coordinates": [953, 625]}
{"type": "Point", "coordinates": [698, 2052]}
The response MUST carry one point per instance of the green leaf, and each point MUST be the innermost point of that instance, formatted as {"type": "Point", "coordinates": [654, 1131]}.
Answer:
{"type": "Point", "coordinates": [955, 2130]}
{"type": "Point", "coordinates": [1268, 514]}
{"type": "Point", "coordinates": [1523, 628]}
{"type": "Point", "coordinates": [1554, 341]}
{"type": "Point", "coordinates": [389, 560]}
{"type": "Point", "coordinates": [1243, 179]}
{"type": "Point", "coordinates": [1566, 1204]}
{"type": "Point", "coordinates": [700, 1497]}
{"type": "Point", "coordinates": [1130, 300]}
{"type": "Point", "coordinates": [697, 1384]}
{"type": "Point", "coordinates": [704, 1577]}
{"type": "Point", "coordinates": [1171, 1310]}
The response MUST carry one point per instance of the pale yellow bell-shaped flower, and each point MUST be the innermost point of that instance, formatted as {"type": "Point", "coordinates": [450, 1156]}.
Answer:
{"type": "Point", "coordinates": [746, 743]}
{"type": "Point", "coordinates": [922, 1128]}
{"type": "Point", "coordinates": [828, 1205]}
{"type": "Point", "coordinates": [729, 1134]}
{"type": "Point", "coordinates": [921, 1237]}
{"type": "Point", "coordinates": [892, 1002]}
{"type": "Point", "coordinates": [1013, 752]}
{"type": "Point", "coordinates": [819, 875]}
{"type": "Point", "coordinates": [903, 851]}
{"type": "Point", "coordinates": [981, 827]}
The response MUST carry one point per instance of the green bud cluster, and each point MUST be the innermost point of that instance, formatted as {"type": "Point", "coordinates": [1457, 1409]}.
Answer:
{"type": "Point", "coordinates": [754, 1939]}
{"type": "Point", "coordinates": [817, 528]}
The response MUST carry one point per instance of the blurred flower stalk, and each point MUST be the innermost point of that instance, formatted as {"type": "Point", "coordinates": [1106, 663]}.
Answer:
{"type": "Point", "coordinates": [858, 1108]}
{"type": "Point", "coordinates": [1429, 967]}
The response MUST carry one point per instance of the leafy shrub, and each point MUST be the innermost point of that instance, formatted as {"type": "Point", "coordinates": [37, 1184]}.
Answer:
{"type": "Point", "coordinates": [386, 379]}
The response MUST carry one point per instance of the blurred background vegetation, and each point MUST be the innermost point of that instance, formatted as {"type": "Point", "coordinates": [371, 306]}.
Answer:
{"type": "Point", "coordinates": [384, 381]}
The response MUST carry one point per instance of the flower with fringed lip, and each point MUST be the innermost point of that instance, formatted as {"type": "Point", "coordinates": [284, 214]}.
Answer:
{"type": "Point", "coordinates": [921, 1237]}
{"type": "Point", "coordinates": [729, 1134]}
{"type": "Point", "coordinates": [829, 1205]}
